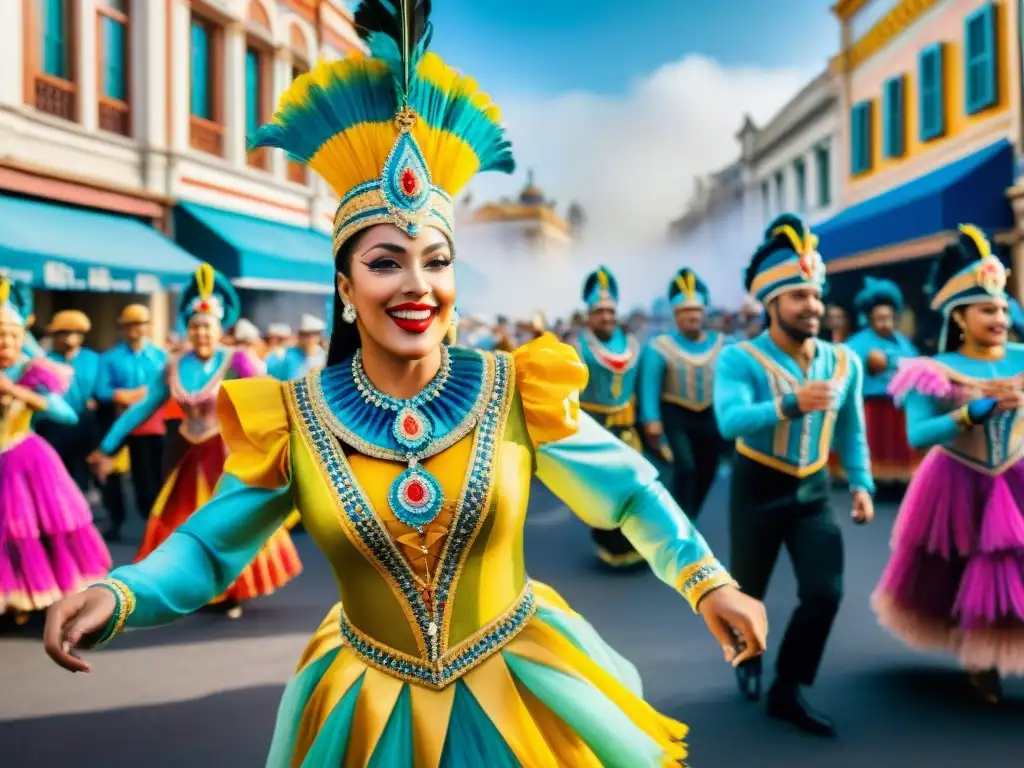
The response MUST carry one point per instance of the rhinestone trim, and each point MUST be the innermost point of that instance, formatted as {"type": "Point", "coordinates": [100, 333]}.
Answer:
{"type": "Point", "coordinates": [366, 526]}
{"type": "Point", "coordinates": [453, 663]}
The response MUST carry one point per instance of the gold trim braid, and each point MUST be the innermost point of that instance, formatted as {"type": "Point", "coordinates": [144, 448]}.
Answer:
{"type": "Point", "coordinates": [125, 607]}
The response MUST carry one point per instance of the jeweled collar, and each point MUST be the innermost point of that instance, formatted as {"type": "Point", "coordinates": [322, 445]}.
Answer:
{"type": "Point", "coordinates": [339, 399]}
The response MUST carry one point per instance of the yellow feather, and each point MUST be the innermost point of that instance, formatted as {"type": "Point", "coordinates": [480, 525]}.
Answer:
{"type": "Point", "coordinates": [355, 155]}
{"type": "Point", "coordinates": [602, 279]}
{"type": "Point", "coordinates": [5, 290]}
{"type": "Point", "coordinates": [691, 285]}
{"type": "Point", "coordinates": [980, 241]}
{"type": "Point", "coordinates": [205, 280]}
{"type": "Point", "coordinates": [681, 284]}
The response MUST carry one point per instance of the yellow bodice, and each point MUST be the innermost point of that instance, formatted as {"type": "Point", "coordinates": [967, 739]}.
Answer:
{"type": "Point", "coordinates": [427, 607]}
{"type": "Point", "coordinates": [15, 422]}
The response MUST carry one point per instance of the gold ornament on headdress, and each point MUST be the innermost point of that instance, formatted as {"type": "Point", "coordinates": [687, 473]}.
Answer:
{"type": "Point", "coordinates": [687, 284]}
{"type": "Point", "coordinates": [602, 279]}
{"type": "Point", "coordinates": [5, 290]}
{"type": "Point", "coordinates": [803, 245]}
{"type": "Point", "coordinates": [205, 281]}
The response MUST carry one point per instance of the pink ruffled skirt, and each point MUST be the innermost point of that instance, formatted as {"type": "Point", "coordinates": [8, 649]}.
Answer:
{"type": "Point", "coordinates": [49, 546]}
{"type": "Point", "coordinates": [955, 581]}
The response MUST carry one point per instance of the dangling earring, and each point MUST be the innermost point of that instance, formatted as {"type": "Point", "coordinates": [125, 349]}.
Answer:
{"type": "Point", "coordinates": [455, 318]}
{"type": "Point", "coordinates": [348, 314]}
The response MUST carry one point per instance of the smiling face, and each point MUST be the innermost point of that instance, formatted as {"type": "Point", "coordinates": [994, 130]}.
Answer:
{"type": "Point", "coordinates": [798, 312]}
{"type": "Point", "coordinates": [402, 288]}
{"type": "Point", "coordinates": [987, 324]}
{"type": "Point", "coordinates": [12, 336]}
{"type": "Point", "coordinates": [204, 334]}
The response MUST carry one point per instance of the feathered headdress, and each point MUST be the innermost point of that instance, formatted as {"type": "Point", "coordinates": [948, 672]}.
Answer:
{"type": "Point", "coordinates": [209, 293]}
{"type": "Point", "coordinates": [601, 290]}
{"type": "Point", "coordinates": [16, 302]}
{"type": "Point", "coordinates": [688, 291]}
{"type": "Point", "coordinates": [787, 259]}
{"type": "Point", "coordinates": [397, 133]}
{"type": "Point", "coordinates": [967, 272]}
{"type": "Point", "coordinates": [877, 291]}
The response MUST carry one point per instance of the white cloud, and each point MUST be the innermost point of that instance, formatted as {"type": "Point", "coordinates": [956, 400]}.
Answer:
{"type": "Point", "coordinates": [631, 160]}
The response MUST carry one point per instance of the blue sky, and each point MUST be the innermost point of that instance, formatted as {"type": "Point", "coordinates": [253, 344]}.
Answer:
{"type": "Point", "coordinates": [552, 46]}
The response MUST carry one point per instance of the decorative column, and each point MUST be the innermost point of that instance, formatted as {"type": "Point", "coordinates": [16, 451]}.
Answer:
{"type": "Point", "coordinates": [234, 94]}
{"type": "Point", "coordinates": [280, 79]}
{"type": "Point", "coordinates": [86, 57]}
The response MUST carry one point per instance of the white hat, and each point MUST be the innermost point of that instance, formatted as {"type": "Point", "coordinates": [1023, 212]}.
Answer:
{"type": "Point", "coordinates": [311, 324]}
{"type": "Point", "coordinates": [246, 331]}
{"type": "Point", "coordinates": [281, 330]}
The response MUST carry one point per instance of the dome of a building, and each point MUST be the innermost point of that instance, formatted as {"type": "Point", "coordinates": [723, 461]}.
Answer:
{"type": "Point", "coordinates": [531, 194]}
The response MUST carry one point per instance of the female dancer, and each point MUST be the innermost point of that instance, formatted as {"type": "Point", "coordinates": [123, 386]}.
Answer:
{"type": "Point", "coordinates": [956, 578]}
{"type": "Point", "coordinates": [48, 544]}
{"type": "Point", "coordinates": [197, 452]}
{"type": "Point", "coordinates": [410, 462]}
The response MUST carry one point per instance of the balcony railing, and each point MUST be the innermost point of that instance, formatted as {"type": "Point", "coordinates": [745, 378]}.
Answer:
{"type": "Point", "coordinates": [206, 135]}
{"type": "Point", "coordinates": [259, 158]}
{"type": "Point", "coordinates": [115, 116]}
{"type": "Point", "coordinates": [297, 173]}
{"type": "Point", "coordinates": [55, 96]}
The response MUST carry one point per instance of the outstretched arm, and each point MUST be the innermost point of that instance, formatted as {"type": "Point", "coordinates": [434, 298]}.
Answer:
{"type": "Point", "coordinates": [609, 485]}
{"type": "Point", "coordinates": [157, 393]}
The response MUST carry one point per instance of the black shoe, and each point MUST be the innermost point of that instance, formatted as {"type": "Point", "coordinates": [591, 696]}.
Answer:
{"type": "Point", "coordinates": [785, 703]}
{"type": "Point", "coordinates": [748, 678]}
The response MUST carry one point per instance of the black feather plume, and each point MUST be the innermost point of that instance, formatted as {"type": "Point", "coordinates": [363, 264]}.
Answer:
{"type": "Point", "coordinates": [405, 24]}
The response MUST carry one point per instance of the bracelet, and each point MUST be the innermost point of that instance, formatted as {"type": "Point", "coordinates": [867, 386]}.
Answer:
{"type": "Point", "coordinates": [124, 606]}
{"type": "Point", "coordinates": [965, 416]}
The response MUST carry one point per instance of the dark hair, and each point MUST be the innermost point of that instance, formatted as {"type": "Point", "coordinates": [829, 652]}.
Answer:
{"type": "Point", "coordinates": [344, 336]}
{"type": "Point", "coordinates": [954, 335]}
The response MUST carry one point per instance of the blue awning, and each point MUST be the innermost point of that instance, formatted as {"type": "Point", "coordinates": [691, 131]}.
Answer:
{"type": "Point", "coordinates": [969, 190]}
{"type": "Point", "coordinates": [255, 253]}
{"type": "Point", "coordinates": [55, 247]}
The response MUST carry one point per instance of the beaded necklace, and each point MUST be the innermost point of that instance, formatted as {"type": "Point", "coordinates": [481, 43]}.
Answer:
{"type": "Point", "coordinates": [415, 497]}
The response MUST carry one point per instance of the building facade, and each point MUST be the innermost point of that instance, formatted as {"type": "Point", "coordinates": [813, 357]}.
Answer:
{"type": "Point", "coordinates": [139, 110]}
{"type": "Point", "coordinates": [931, 109]}
{"type": "Point", "coordinates": [530, 222]}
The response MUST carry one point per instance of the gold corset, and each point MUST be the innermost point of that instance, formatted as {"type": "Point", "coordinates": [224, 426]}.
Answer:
{"type": "Point", "coordinates": [15, 422]}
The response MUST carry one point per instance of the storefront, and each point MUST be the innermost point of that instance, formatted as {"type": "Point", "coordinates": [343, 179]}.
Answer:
{"type": "Point", "coordinates": [897, 233]}
{"type": "Point", "coordinates": [91, 260]}
{"type": "Point", "coordinates": [281, 271]}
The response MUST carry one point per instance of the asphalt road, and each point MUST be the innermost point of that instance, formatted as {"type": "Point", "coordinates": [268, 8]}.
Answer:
{"type": "Point", "coordinates": [204, 691]}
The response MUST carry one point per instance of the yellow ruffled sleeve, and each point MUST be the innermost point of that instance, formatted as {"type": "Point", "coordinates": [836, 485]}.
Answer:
{"type": "Point", "coordinates": [549, 378]}
{"type": "Point", "coordinates": [254, 425]}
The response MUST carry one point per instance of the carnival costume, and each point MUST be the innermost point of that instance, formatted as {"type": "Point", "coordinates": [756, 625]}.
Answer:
{"type": "Point", "coordinates": [442, 651]}
{"type": "Point", "coordinates": [781, 492]}
{"type": "Point", "coordinates": [955, 581]}
{"type": "Point", "coordinates": [198, 450]}
{"type": "Point", "coordinates": [610, 395]}
{"type": "Point", "coordinates": [892, 458]}
{"type": "Point", "coordinates": [676, 383]}
{"type": "Point", "coordinates": [49, 547]}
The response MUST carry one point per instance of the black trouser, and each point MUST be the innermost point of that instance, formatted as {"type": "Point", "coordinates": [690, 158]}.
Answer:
{"type": "Point", "coordinates": [769, 510]}
{"type": "Point", "coordinates": [146, 455]}
{"type": "Point", "coordinates": [696, 449]}
{"type": "Point", "coordinates": [613, 542]}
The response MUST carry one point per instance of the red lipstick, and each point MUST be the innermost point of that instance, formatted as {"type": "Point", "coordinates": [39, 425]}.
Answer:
{"type": "Point", "coordinates": [413, 317]}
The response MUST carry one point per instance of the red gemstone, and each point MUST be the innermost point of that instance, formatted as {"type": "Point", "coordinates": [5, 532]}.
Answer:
{"type": "Point", "coordinates": [410, 182]}
{"type": "Point", "coordinates": [415, 492]}
{"type": "Point", "coordinates": [410, 426]}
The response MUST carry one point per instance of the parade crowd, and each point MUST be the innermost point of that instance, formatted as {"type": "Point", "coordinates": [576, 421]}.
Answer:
{"type": "Point", "coordinates": [406, 439]}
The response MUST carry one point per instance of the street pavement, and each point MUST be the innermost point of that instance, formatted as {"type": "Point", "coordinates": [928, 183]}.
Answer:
{"type": "Point", "coordinates": [204, 691]}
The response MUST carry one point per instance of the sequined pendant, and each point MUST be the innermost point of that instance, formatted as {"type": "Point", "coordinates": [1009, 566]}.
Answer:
{"type": "Point", "coordinates": [411, 429]}
{"type": "Point", "coordinates": [415, 497]}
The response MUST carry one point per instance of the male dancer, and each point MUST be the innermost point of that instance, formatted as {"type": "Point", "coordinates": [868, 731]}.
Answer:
{"type": "Point", "coordinates": [74, 442]}
{"type": "Point", "coordinates": [880, 347]}
{"type": "Point", "coordinates": [126, 371]}
{"type": "Point", "coordinates": [309, 355]}
{"type": "Point", "coordinates": [677, 372]}
{"type": "Point", "coordinates": [611, 355]}
{"type": "Point", "coordinates": [781, 396]}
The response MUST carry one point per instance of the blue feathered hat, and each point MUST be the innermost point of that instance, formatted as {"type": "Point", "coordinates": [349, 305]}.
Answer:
{"type": "Point", "coordinates": [16, 301]}
{"type": "Point", "coordinates": [787, 259]}
{"type": "Point", "coordinates": [877, 291]}
{"type": "Point", "coordinates": [209, 293]}
{"type": "Point", "coordinates": [601, 290]}
{"type": "Point", "coordinates": [687, 291]}
{"type": "Point", "coordinates": [967, 272]}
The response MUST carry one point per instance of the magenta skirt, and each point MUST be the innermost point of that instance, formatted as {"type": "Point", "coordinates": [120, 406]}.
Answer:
{"type": "Point", "coordinates": [955, 581]}
{"type": "Point", "coordinates": [49, 546]}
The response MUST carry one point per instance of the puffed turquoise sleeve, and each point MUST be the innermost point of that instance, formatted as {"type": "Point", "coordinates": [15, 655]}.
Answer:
{"type": "Point", "coordinates": [607, 484]}
{"type": "Point", "coordinates": [736, 410]}
{"type": "Point", "coordinates": [927, 423]}
{"type": "Point", "coordinates": [50, 380]}
{"type": "Point", "coordinates": [850, 439]}
{"type": "Point", "coordinates": [652, 378]}
{"type": "Point", "coordinates": [202, 558]}
{"type": "Point", "coordinates": [156, 395]}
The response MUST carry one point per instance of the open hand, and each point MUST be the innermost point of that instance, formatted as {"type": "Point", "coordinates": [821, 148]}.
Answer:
{"type": "Point", "coordinates": [75, 622]}
{"type": "Point", "coordinates": [653, 432]}
{"type": "Point", "coordinates": [738, 622]}
{"type": "Point", "coordinates": [102, 465]}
